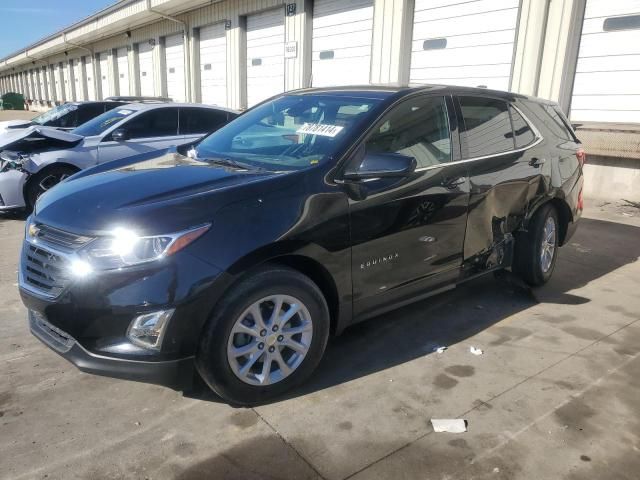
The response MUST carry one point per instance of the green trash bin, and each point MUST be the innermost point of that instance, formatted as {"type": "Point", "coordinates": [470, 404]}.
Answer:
{"type": "Point", "coordinates": [12, 101]}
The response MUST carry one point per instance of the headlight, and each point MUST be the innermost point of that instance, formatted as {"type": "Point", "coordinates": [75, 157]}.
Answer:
{"type": "Point", "coordinates": [123, 248]}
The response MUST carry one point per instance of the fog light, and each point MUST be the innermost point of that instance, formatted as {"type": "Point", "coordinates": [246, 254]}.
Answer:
{"type": "Point", "coordinates": [148, 330]}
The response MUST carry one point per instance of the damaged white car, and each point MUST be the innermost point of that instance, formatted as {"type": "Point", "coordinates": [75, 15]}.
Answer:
{"type": "Point", "coordinates": [34, 159]}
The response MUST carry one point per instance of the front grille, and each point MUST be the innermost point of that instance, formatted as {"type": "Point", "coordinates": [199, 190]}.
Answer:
{"type": "Point", "coordinates": [43, 270]}
{"type": "Point", "coordinates": [59, 238]}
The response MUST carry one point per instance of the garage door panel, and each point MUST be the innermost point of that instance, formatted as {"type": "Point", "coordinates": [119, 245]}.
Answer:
{"type": "Point", "coordinates": [88, 69]}
{"type": "Point", "coordinates": [105, 85]}
{"type": "Point", "coordinates": [341, 43]}
{"type": "Point", "coordinates": [609, 8]}
{"type": "Point", "coordinates": [467, 71]}
{"type": "Point", "coordinates": [606, 83]}
{"type": "Point", "coordinates": [607, 102]}
{"type": "Point", "coordinates": [336, 42]}
{"type": "Point", "coordinates": [493, 21]}
{"type": "Point", "coordinates": [463, 56]}
{"type": "Point", "coordinates": [610, 43]}
{"type": "Point", "coordinates": [605, 116]}
{"type": "Point", "coordinates": [460, 10]}
{"type": "Point", "coordinates": [78, 81]}
{"type": "Point", "coordinates": [174, 62]}
{"type": "Point", "coordinates": [616, 62]}
{"type": "Point", "coordinates": [473, 40]}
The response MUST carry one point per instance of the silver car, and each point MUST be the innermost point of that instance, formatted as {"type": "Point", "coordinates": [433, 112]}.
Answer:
{"type": "Point", "coordinates": [34, 159]}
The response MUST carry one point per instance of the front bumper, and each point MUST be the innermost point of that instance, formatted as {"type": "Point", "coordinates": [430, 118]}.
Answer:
{"type": "Point", "coordinates": [176, 374]}
{"type": "Point", "coordinates": [11, 189]}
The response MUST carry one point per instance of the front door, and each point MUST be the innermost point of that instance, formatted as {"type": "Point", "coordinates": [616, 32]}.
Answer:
{"type": "Point", "coordinates": [408, 233]}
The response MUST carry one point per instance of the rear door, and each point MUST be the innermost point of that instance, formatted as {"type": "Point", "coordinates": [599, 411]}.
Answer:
{"type": "Point", "coordinates": [506, 174]}
{"type": "Point", "coordinates": [408, 233]}
{"type": "Point", "coordinates": [151, 130]}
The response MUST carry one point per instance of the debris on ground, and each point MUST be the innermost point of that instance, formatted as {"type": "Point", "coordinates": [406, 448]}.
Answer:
{"type": "Point", "coordinates": [449, 425]}
{"type": "Point", "coordinates": [475, 351]}
{"type": "Point", "coordinates": [439, 349]}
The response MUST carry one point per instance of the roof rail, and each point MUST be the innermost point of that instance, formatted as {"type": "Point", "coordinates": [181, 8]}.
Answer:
{"type": "Point", "coordinates": [133, 99]}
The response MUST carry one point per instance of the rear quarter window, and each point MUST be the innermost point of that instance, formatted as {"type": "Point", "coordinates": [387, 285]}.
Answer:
{"type": "Point", "coordinates": [487, 126]}
{"type": "Point", "coordinates": [521, 131]}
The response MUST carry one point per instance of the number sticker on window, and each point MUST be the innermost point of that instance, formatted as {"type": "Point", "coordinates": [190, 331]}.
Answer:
{"type": "Point", "coordinates": [320, 129]}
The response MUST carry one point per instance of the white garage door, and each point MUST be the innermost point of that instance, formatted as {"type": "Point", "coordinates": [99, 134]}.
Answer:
{"type": "Point", "coordinates": [607, 81]}
{"type": "Point", "coordinates": [105, 84]}
{"type": "Point", "coordinates": [342, 34]}
{"type": "Point", "coordinates": [58, 82]}
{"type": "Point", "coordinates": [464, 43]}
{"type": "Point", "coordinates": [145, 59]}
{"type": "Point", "coordinates": [213, 65]}
{"type": "Point", "coordinates": [174, 60]}
{"type": "Point", "coordinates": [77, 78]}
{"type": "Point", "coordinates": [43, 86]}
{"type": "Point", "coordinates": [68, 87]}
{"type": "Point", "coordinates": [265, 55]}
{"type": "Point", "coordinates": [123, 70]}
{"type": "Point", "coordinates": [88, 72]}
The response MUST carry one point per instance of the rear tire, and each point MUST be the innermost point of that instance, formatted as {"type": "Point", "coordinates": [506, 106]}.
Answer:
{"type": "Point", "coordinates": [45, 180]}
{"type": "Point", "coordinates": [242, 378]}
{"type": "Point", "coordinates": [536, 250]}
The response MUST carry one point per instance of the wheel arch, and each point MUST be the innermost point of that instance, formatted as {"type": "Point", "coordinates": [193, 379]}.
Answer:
{"type": "Point", "coordinates": [565, 217]}
{"type": "Point", "coordinates": [44, 169]}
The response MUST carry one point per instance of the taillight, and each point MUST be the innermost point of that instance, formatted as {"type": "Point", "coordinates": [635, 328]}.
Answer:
{"type": "Point", "coordinates": [581, 156]}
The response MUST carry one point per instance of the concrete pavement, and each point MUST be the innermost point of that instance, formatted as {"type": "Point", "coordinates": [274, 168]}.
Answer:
{"type": "Point", "coordinates": [555, 394]}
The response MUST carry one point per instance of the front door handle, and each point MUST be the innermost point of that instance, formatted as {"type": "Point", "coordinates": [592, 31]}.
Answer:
{"type": "Point", "coordinates": [537, 162]}
{"type": "Point", "coordinates": [454, 183]}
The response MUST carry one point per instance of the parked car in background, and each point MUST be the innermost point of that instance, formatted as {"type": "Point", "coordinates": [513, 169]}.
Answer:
{"type": "Point", "coordinates": [70, 115]}
{"type": "Point", "coordinates": [34, 159]}
{"type": "Point", "coordinates": [241, 258]}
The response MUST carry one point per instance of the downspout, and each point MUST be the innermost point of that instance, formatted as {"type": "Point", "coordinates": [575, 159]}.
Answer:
{"type": "Point", "coordinates": [187, 37]}
{"type": "Point", "coordinates": [93, 64]}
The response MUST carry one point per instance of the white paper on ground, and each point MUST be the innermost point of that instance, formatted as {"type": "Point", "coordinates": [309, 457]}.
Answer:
{"type": "Point", "coordinates": [439, 349]}
{"type": "Point", "coordinates": [450, 425]}
{"type": "Point", "coordinates": [475, 351]}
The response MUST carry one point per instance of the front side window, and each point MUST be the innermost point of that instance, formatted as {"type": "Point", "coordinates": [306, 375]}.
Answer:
{"type": "Point", "coordinates": [160, 122]}
{"type": "Point", "coordinates": [291, 132]}
{"type": "Point", "coordinates": [417, 128]}
{"type": "Point", "coordinates": [487, 126]}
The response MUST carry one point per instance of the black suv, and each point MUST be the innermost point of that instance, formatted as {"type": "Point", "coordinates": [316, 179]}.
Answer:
{"type": "Point", "coordinates": [312, 211]}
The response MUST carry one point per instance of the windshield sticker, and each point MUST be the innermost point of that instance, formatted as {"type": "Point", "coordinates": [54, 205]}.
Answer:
{"type": "Point", "coordinates": [124, 112]}
{"type": "Point", "coordinates": [320, 129]}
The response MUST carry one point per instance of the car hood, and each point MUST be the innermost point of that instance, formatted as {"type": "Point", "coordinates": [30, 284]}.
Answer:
{"type": "Point", "coordinates": [8, 125]}
{"type": "Point", "coordinates": [158, 195]}
{"type": "Point", "coordinates": [13, 136]}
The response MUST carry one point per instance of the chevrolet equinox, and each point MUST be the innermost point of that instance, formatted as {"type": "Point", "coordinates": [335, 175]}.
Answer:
{"type": "Point", "coordinates": [236, 258]}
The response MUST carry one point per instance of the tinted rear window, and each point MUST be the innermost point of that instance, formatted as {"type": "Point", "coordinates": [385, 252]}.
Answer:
{"type": "Point", "coordinates": [487, 126]}
{"type": "Point", "coordinates": [201, 120]}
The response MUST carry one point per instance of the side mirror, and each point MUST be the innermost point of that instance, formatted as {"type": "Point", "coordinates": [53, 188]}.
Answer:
{"type": "Point", "coordinates": [120, 135]}
{"type": "Point", "coordinates": [382, 165]}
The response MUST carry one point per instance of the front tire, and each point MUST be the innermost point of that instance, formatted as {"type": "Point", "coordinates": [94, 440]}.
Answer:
{"type": "Point", "coordinates": [44, 181]}
{"type": "Point", "coordinates": [536, 250]}
{"type": "Point", "coordinates": [265, 337]}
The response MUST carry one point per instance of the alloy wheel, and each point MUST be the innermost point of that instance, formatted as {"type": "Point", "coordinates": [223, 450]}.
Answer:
{"type": "Point", "coordinates": [269, 340]}
{"type": "Point", "coordinates": [548, 246]}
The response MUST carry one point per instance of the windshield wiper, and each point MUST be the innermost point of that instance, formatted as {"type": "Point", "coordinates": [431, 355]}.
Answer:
{"type": "Point", "coordinates": [230, 162]}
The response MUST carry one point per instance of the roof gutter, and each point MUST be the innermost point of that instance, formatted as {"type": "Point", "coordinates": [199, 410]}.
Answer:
{"type": "Point", "coordinates": [187, 44]}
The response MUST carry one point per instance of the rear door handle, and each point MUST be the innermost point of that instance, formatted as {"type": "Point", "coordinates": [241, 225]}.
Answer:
{"type": "Point", "coordinates": [454, 183]}
{"type": "Point", "coordinates": [537, 162]}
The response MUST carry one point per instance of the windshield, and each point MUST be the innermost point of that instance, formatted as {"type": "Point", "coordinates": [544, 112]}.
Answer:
{"type": "Point", "coordinates": [289, 133]}
{"type": "Point", "coordinates": [54, 114]}
{"type": "Point", "coordinates": [102, 122]}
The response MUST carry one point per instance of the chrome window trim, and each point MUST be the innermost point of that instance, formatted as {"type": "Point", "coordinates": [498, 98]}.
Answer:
{"type": "Point", "coordinates": [538, 138]}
